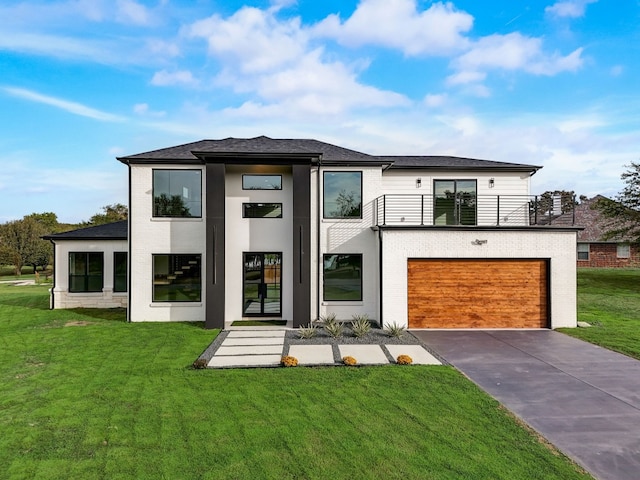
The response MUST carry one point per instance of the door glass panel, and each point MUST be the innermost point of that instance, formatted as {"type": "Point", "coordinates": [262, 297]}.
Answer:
{"type": "Point", "coordinates": [466, 202]}
{"type": "Point", "coordinates": [261, 284]}
{"type": "Point", "coordinates": [455, 202]}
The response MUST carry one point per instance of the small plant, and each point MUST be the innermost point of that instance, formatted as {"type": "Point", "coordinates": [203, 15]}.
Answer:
{"type": "Point", "coordinates": [404, 360]}
{"type": "Point", "coordinates": [335, 329]}
{"type": "Point", "coordinates": [360, 325]}
{"type": "Point", "coordinates": [200, 363]}
{"type": "Point", "coordinates": [394, 330]}
{"type": "Point", "coordinates": [289, 361]}
{"type": "Point", "coordinates": [308, 331]}
{"type": "Point", "coordinates": [328, 319]}
{"type": "Point", "coordinates": [349, 360]}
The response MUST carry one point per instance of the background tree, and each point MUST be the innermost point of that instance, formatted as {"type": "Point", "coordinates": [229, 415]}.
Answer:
{"type": "Point", "coordinates": [624, 212]}
{"type": "Point", "coordinates": [22, 245]}
{"type": "Point", "coordinates": [547, 202]}
{"type": "Point", "coordinates": [111, 213]}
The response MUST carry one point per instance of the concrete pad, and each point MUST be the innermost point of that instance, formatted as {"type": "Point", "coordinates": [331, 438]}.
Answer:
{"type": "Point", "coordinates": [417, 353]}
{"type": "Point", "coordinates": [364, 354]}
{"type": "Point", "coordinates": [249, 350]}
{"type": "Point", "coordinates": [245, 361]}
{"type": "Point", "coordinates": [312, 354]}
{"type": "Point", "coordinates": [234, 341]}
{"type": "Point", "coordinates": [255, 333]}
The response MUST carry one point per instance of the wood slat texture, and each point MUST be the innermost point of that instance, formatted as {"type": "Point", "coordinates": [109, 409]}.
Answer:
{"type": "Point", "coordinates": [477, 293]}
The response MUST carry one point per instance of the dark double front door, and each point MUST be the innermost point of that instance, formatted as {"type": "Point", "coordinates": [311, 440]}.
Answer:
{"type": "Point", "coordinates": [261, 284]}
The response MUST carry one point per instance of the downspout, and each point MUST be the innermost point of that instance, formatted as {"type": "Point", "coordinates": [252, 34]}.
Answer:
{"type": "Point", "coordinates": [53, 285]}
{"type": "Point", "coordinates": [320, 263]}
{"type": "Point", "coordinates": [129, 262]}
{"type": "Point", "coordinates": [380, 286]}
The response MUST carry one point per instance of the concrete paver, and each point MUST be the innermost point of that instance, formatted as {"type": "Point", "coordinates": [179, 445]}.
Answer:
{"type": "Point", "coordinates": [417, 353]}
{"type": "Point", "coordinates": [256, 333]}
{"type": "Point", "coordinates": [584, 399]}
{"type": "Point", "coordinates": [245, 361]}
{"type": "Point", "coordinates": [364, 354]}
{"type": "Point", "coordinates": [249, 350]}
{"type": "Point", "coordinates": [312, 354]}
{"type": "Point", "coordinates": [230, 342]}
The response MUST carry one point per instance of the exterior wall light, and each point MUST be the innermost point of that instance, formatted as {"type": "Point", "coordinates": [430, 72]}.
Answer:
{"type": "Point", "coordinates": [492, 182]}
{"type": "Point", "coordinates": [418, 182]}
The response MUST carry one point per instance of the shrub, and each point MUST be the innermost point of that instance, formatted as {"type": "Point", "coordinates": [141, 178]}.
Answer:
{"type": "Point", "coordinates": [334, 329]}
{"type": "Point", "coordinates": [360, 325]}
{"type": "Point", "coordinates": [200, 363]}
{"type": "Point", "coordinates": [349, 360]}
{"type": "Point", "coordinates": [308, 331]}
{"type": "Point", "coordinates": [394, 330]}
{"type": "Point", "coordinates": [404, 360]}
{"type": "Point", "coordinates": [328, 319]}
{"type": "Point", "coordinates": [289, 361]}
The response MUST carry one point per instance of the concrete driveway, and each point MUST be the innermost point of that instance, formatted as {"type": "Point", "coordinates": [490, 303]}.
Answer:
{"type": "Point", "coordinates": [584, 399]}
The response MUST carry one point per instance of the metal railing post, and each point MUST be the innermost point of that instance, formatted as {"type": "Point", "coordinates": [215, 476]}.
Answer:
{"type": "Point", "coordinates": [421, 210]}
{"type": "Point", "coordinates": [384, 210]}
{"type": "Point", "coordinates": [498, 209]}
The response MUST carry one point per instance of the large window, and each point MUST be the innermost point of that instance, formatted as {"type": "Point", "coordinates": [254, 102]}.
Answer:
{"type": "Point", "coordinates": [342, 195]}
{"type": "Point", "coordinates": [583, 251]}
{"type": "Point", "coordinates": [342, 277]}
{"type": "Point", "coordinates": [120, 272]}
{"type": "Point", "coordinates": [86, 271]}
{"type": "Point", "coordinates": [177, 193]}
{"type": "Point", "coordinates": [262, 210]}
{"type": "Point", "coordinates": [455, 202]}
{"type": "Point", "coordinates": [261, 182]}
{"type": "Point", "coordinates": [623, 250]}
{"type": "Point", "coordinates": [176, 278]}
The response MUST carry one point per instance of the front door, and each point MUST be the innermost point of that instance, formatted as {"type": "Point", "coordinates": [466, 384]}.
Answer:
{"type": "Point", "coordinates": [261, 282]}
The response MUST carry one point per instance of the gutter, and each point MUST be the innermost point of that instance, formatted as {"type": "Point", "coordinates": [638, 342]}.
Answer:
{"type": "Point", "coordinates": [318, 225]}
{"type": "Point", "coordinates": [53, 285]}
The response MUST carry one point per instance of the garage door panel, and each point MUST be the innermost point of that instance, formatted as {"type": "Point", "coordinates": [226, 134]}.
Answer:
{"type": "Point", "coordinates": [477, 293]}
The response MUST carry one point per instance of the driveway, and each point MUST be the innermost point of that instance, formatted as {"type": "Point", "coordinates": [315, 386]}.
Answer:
{"type": "Point", "coordinates": [584, 399]}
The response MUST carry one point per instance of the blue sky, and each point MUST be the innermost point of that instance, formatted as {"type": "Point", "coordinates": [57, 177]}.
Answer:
{"type": "Point", "coordinates": [551, 83]}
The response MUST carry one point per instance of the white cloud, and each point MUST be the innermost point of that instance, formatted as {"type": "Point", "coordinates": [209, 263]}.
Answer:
{"type": "Point", "coordinates": [617, 70]}
{"type": "Point", "coordinates": [433, 100]}
{"type": "Point", "coordinates": [568, 8]}
{"type": "Point", "coordinates": [398, 24]}
{"type": "Point", "coordinates": [143, 109]}
{"type": "Point", "coordinates": [131, 12]}
{"type": "Point", "coordinates": [180, 77]}
{"type": "Point", "coordinates": [66, 105]}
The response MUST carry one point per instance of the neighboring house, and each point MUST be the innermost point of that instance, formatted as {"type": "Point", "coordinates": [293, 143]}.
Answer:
{"type": "Point", "coordinates": [90, 267]}
{"type": "Point", "coordinates": [224, 230]}
{"type": "Point", "coordinates": [592, 249]}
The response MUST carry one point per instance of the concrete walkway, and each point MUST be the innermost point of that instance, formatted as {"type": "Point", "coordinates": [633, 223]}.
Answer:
{"type": "Point", "coordinates": [261, 347]}
{"type": "Point", "coordinates": [584, 399]}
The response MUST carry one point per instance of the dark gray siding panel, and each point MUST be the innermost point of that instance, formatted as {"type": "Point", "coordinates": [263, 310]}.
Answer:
{"type": "Point", "coordinates": [301, 245]}
{"type": "Point", "coordinates": [215, 282]}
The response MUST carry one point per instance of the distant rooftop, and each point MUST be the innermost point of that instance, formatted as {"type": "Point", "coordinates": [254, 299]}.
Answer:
{"type": "Point", "coordinates": [108, 231]}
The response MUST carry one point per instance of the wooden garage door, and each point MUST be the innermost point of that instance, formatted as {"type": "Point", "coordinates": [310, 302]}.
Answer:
{"type": "Point", "coordinates": [477, 293]}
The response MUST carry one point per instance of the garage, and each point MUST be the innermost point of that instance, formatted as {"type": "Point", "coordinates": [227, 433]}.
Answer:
{"type": "Point", "coordinates": [478, 293]}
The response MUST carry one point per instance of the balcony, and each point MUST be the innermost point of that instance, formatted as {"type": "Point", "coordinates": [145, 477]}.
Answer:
{"type": "Point", "coordinates": [474, 210]}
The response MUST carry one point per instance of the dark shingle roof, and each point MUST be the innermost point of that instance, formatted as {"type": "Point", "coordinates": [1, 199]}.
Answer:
{"type": "Point", "coordinates": [109, 231]}
{"type": "Point", "coordinates": [594, 222]}
{"type": "Point", "coordinates": [310, 149]}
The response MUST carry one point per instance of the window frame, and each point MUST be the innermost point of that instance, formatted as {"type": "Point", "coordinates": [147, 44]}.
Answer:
{"type": "Point", "coordinates": [247, 205]}
{"type": "Point", "coordinates": [154, 213]}
{"type": "Point", "coordinates": [586, 249]}
{"type": "Point", "coordinates": [456, 211]}
{"type": "Point", "coordinates": [325, 213]}
{"type": "Point", "coordinates": [625, 246]}
{"type": "Point", "coordinates": [172, 257]}
{"type": "Point", "coordinates": [324, 277]}
{"type": "Point", "coordinates": [279, 176]}
{"type": "Point", "coordinates": [120, 276]}
{"type": "Point", "coordinates": [86, 275]}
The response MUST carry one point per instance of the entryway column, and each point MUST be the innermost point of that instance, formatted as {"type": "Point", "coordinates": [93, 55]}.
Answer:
{"type": "Point", "coordinates": [215, 284]}
{"type": "Point", "coordinates": [301, 244]}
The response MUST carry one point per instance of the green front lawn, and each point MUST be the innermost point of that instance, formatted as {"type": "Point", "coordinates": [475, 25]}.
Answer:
{"type": "Point", "coordinates": [85, 395]}
{"type": "Point", "coordinates": [609, 299]}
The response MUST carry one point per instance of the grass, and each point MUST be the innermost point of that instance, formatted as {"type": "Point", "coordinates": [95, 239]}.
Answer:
{"type": "Point", "coordinates": [609, 299]}
{"type": "Point", "coordinates": [101, 398]}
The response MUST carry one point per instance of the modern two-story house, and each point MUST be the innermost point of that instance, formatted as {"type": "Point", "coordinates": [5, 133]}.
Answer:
{"type": "Point", "coordinates": [232, 229]}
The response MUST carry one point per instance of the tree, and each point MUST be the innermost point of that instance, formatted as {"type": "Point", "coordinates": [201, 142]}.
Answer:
{"type": "Point", "coordinates": [111, 213]}
{"type": "Point", "coordinates": [548, 202]}
{"type": "Point", "coordinates": [624, 212]}
{"type": "Point", "coordinates": [22, 245]}
{"type": "Point", "coordinates": [348, 205]}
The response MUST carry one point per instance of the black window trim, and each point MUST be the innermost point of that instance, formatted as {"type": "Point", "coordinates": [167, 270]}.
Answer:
{"type": "Point", "coordinates": [153, 274]}
{"type": "Point", "coordinates": [86, 274]}
{"type": "Point", "coordinates": [153, 190]}
{"type": "Point", "coordinates": [324, 291]}
{"type": "Point", "coordinates": [324, 213]}
{"type": "Point", "coordinates": [126, 280]}
{"type": "Point", "coordinates": [262, 175]}
{"type": "Point", "coordinates": [246, 204]}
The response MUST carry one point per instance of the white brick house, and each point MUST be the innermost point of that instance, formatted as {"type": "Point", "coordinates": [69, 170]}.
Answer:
{"type": "Point", "coordinates": [224, 230]}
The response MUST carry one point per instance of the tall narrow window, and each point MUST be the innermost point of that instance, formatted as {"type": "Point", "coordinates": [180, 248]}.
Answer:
{"type": "Point", "coordinates": [342, 195]}
{"type": "Point", "coordinates": [583, 251]}
{"type": "Point", "coordinates": [455, 202]}
{"type": "Point", "coordinates": [176, 278]}
{"type": "Point", "coordinates": [120, 272]}
{"type": "Point", "coordinates": [86, 272]}
{"type": "Point", "coordinates": [177, 193]}
{"type": "Point", "coordinates": [342, 277]}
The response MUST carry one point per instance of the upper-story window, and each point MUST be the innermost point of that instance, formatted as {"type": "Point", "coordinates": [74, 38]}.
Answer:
{"type": "Point", "coordinates": [177, 193]}
{"type": "Point", "coordinates": [261, 182]}
{"type": "Point", "coordinates": [455, 202]}
{"type": "Point", "coordinates": [342, 195]}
